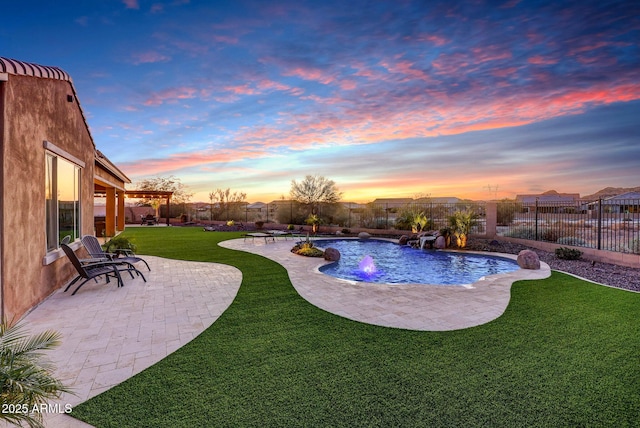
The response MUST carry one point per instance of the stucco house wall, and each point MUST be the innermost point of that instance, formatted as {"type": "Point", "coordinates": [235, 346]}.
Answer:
{"type": "Point", "coordinates": [34, 110]}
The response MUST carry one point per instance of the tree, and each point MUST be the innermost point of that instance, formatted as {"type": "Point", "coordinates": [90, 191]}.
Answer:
{"type": "Point", "coordinates": [507, 209]}
{"type": "Point", "coordinates": [313, 190]}
{"type": "Point", "coordinates": [165, 184]}
{"type": "Point", "coordinates": [27, 379]}
{"type": "Point", "coordinates": [461, 223]}
{"type": "Point", "coordinates": [225, 201]}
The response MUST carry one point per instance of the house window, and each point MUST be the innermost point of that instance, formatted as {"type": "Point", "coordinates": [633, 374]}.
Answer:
{"type": "Point", "coordinates": [62, 205]}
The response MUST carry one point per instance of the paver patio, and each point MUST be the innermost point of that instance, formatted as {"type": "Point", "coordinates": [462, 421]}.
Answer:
{"type": "Point", "coordinates": [109, 333]}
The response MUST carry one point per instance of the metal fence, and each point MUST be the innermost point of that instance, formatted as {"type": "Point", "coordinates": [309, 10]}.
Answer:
{"type": "Point", "coordinates": [389, 216]}
{"type": "Point", "coordinates": [402, 216]}
{"type": "Point", "coordinates": [603, 224]}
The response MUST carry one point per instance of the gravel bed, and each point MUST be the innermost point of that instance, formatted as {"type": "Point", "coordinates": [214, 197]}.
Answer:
{"type": "Point", "coordinates": [604, 273]}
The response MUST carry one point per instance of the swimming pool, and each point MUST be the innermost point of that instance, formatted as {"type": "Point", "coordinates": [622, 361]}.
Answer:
{"type": "Point", "coordinates": [385, 262]}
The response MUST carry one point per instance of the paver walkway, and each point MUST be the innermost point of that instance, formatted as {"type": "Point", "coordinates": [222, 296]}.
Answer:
{"type": "Point", "coordinates": [408, 306]}
{"type": "Point", "coordinates": [109, 333]}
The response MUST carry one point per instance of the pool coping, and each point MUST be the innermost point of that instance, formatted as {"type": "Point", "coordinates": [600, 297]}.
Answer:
{"type": "Point", "coordinates": [406, 306]}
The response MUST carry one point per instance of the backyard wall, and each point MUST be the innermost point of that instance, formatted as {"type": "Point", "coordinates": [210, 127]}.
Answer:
{"type": "Point", "coordinates": [35, 110]}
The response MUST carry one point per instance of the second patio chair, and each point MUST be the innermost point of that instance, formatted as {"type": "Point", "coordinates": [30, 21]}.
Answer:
{"type": "Point", "coordinates": [95, 250]}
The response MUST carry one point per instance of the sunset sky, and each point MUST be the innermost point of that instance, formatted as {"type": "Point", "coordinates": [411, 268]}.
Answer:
{"type": "Point", "coordinates": [475, 99]}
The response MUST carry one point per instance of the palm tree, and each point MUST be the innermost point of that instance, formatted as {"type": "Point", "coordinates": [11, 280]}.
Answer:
{"type": "Point", "coordinates": [461, 223]}
{"type": "Point", "coordinates": [27, 379]}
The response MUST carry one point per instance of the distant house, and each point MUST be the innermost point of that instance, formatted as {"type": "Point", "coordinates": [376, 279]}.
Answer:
{"type": "Point", "coordinates": [550, 202]}
{"type": "Point", "coordinates": [257, 211]}
{"type": "Point", "coordinates": [448, 200]}
{"type": "Point", "coordinates": [624, 203]}
{"type": "Point", "coordinates": [49, 175]}
{"type": "Point", "coordinates": [392, 203]}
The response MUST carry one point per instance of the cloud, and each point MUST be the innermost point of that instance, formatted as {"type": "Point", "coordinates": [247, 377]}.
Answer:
{"type": "Point", "coordinates": [171, 95]}
{"type": "Point", "coordinates": [82, 20]}
{"type": "Point", "coordinates": [149, 57]}
{"type": "Point", "coordinates": [131, 4]}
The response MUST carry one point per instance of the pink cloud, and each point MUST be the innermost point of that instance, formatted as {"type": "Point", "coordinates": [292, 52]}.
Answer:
{"type": "Point", "coordinates": [541, 60]}
{"type": "Point", "coordinates": [131, 4]}
{"type": "Point", "coordinates": [171, 94]}
{"type": "Point", "coordinates": [312, 74]}
{"type": "Point", "coordinates": [433, 39]}
{"type": "Point", "coordinates": [457, 115]}
{"type": "Point", "coordinates": [225, 39]}
{"type": "Point", "coordinates": [490, 53]}
{"type": "Point", "coordinates": [266, 85]}
{"type": "Point", "coordinates": [149, 57]}
{"type": "Point", "coordinates": [504, 72]}
{"type": "Point", "coordinates": [179, 161]}
{"type": "Point", "coordinates": [241, 89]}
{"type": "Point", "coordinates": [406, 68]}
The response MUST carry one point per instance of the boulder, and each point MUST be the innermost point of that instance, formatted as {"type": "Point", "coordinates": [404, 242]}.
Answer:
{"type": "Point", "coordinates": [364, 235]}
{"type": "Point", "coordinates": [331, 254]}
{"type": "Point", "coordinates": [441, 242]}
{"type": "Point", "coordinates": [403, 240]}
{"type": "Point", "coordinates": [528, 259]}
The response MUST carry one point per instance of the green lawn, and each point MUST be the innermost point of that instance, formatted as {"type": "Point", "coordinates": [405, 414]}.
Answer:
{"type": "Point", "coordinates": [565, 353]}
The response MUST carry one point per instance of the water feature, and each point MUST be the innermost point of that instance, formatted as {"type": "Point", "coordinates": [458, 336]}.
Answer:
{"type": "Point", "coordinates": [386, 262]}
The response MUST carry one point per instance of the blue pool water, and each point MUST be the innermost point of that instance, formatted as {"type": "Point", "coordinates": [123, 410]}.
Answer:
{"type": "Point", "coordinates": [388, 263]}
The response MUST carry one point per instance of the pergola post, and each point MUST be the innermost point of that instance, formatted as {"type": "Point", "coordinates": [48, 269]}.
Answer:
{"type": "Point", "coordinates": [120, 217]}
{"type": "Point", "coordinates": [110, 224]}
{"type": "Point", "coordinates": [168, 209]}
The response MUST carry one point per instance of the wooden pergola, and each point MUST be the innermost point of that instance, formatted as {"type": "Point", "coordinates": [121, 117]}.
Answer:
{"type": "Point", "coordinates": [109, 183]}
{"type": "Point", "coordinates": [151, 194]}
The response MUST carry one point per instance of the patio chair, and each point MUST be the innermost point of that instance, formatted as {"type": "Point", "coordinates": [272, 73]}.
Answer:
{"type": "Point", "coordinates": [95, 250]}
{"type": "Point", "coordinates": [95, 270]}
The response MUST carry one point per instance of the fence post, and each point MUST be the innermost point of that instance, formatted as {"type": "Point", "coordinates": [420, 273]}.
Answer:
{"type": "Point", "coordinates": [599, 223]}
{"type": "Point", "coordinates": [536, 219]}
{"type": "Point", "coordinates": [386, 211]}
{"type": "Point", "coordinates": [491, 219]}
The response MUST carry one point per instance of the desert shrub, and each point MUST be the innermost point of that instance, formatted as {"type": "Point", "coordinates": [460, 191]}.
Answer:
{"type": "Point", "coordinates": [405, 218]}
{"type": "Point", "coordinates": [310, 252]}
{"type": "Point", "coordinates": [506, 211]}
{"type": "Point", "coordinates": [568, 253]}
{"type": "Point", "coordinates": [550, 235]}
{"type": "Point", "coordinates": [572, 240]}
{"type": "Point", "coordinates": [307, 249]}
{"type": "Point", "coordinates": [634, 246]}
{"type": "Point", "coordinates": [523, 232]}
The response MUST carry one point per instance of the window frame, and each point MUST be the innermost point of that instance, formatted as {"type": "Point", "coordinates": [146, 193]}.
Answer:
{"type": "Point", "coordinates": [55, 154]}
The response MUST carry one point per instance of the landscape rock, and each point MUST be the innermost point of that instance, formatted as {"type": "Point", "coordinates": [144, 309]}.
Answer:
{"type": "Point", "coordinates": [403, 240]}
{"type": "Point", "coordinates": [528, 259]}
{"type": "Point", "coordinates": [331, 254]}
{"type": "Point", "coordinates": [441, 242]}
{"type": "Point", "coordinates": [364, 235]}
